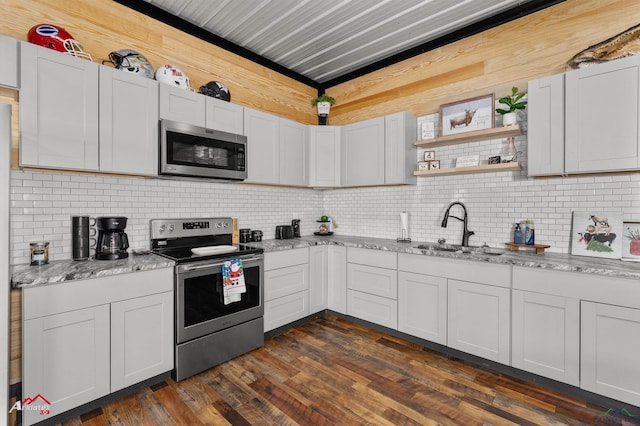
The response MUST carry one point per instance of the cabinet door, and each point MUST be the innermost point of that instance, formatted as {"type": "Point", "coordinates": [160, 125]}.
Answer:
{"type": "Point", "coordinates": [286, 309]}
{"type": "Point", "coordinates": [399, 151]}
{"type": "Point", "coordinates": [602, 117]}
{"type": "Point", "coordinates": [128, 123]}
{"type": "Point", "coordinates": [293, 153]}
{"type": "Point", "coordinates": [224, 116]}
{"type": "Point", "coordinates": [66, 359]}
{"type": "Point", "coordinates": [609, 351]}
{"type": "Point", "coordinates": [546, 335]}
{"type": "Point", "coordinates": [263, 147]}
{"type": "Point", "coordinates": [478, 319]}
{"type": "Point", "coordinates": [318, 278]}
{"type": "Point", "coordinates": [8, 62]}
{"type": "Point", "coordinates": [375, 309]}
{"type": "Point", "coordinates": [58, 110]}
{"type": "Point", "coordinates": [182, 105]}
{"type": "Point", "coordinates": [141, 339]}
{"type": "Point", "coordinates": [545, 143]}
{"type": "Point", "coordinates": [422, 306]}
{"type": "Point", "coordinates": [363, 153]}
{"type": "Point", "coordinates": [324, 155]}
{"type": "Point", "coordinates": [337, 285]}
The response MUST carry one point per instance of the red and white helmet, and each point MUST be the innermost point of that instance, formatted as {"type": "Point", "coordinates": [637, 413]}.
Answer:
{"type": "Point", "coordinates": [173, 76]}
{"type": "Point", "coordinates": [56, 38]}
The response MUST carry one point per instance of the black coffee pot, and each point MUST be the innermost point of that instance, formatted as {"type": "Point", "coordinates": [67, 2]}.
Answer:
{"type": "Point", "coordinates": [112, 241]}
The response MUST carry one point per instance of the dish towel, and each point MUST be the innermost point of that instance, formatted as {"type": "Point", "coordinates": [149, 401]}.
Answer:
{"type": "Point", "coordinates": [233, 281]}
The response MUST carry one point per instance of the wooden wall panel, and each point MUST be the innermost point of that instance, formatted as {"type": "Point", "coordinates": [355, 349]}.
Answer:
{"type": "Point", "coordinates": [490, 62]}
{"type": "Point", "coordinates": [103, 26]}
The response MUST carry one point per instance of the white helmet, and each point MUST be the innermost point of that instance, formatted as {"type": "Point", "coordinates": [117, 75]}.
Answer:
{"type": "Point", "coordinates": [131, 61]}
{"type": "Point", "coordinates": [172, 75]}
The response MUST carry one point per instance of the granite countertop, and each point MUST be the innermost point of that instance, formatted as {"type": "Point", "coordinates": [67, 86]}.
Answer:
{"type": "Point", "coordinates": [526, 258]}
{"type": "Point", "coordinates": [69, 270]}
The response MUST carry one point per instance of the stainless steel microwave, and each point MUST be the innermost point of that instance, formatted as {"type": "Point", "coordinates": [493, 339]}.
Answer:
{"type": "Point", "coordinates": [196, 152]}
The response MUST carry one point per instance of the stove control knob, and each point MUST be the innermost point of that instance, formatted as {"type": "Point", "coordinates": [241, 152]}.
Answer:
{"type": "Point", "coordinates": [162, 228]}
{"type": "Point", "coordinates": [170, 228]}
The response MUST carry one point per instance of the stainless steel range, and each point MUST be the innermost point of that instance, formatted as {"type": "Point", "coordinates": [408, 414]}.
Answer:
{"type": "Point", "coordinates": [210, 329]}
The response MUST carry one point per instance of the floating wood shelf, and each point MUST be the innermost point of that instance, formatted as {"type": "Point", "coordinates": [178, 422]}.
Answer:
{"type": "Point", "coordinates": [539, 248]}
{"type": "Point", "coordinates": [476, 135]}
{"type": "Point", "coordinates": [485, 168]}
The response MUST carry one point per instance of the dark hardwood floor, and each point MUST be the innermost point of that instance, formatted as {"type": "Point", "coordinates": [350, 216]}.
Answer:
{"type": "Point", "coordinates": [332, 372]}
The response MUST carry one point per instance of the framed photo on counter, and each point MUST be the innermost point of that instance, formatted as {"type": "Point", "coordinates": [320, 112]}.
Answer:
{"type": "Point", "coordinates": [597, 234]}
{"type": "Point", "coordinates": [468, 115]}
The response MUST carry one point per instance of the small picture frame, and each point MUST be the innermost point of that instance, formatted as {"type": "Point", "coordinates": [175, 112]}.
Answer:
{"type": "Point", "coordinates": [468, 115]}
{"type": "Point", "coordinates": [631, 241]}
{"type": "Point", "coordinates": [429, 155]}
{"type": "Point", "coordinates": [494, 159]}
{"type": "Point", "coordinates": [423, 165]}
{"type": "Point", "coordinates": [434, 165]}
{"type": "Point", "coordinates": [468, 161]}
{"type": "Point", "coordinates": [428, 130]}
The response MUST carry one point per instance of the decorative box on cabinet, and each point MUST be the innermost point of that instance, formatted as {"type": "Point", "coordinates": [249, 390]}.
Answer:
{"type": "Point", "coordinates": [8, 62]}
{"type": "Point", "coordinates": [182, 105]}
{"type": "Point", "coordinates": [58, 110]}
{"type": "Point", "coordinates": [286, 287]}
{"type": "Point", "coordinates": [546, 335]}
{"type": "Point", "coordinates": [545, 141]}
{"type": "Point", "coordinates": [75, 348]}
{"type": "Point", "coordinates": [324, 155]}
{"type": "Point", "coordinates": [603, 117]}
{"type": "Point", "coordinates": [128, 130]}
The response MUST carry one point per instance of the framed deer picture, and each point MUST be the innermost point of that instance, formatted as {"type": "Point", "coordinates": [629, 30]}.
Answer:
{"type": "Point", "coordinates": [468, 115]}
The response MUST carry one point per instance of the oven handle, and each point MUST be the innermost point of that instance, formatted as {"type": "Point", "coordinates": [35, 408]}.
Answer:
{"type": "Point", "coordinates": [247, 259]}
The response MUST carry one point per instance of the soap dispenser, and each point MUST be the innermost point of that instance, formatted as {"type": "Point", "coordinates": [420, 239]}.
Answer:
{"type": "Point", "coordinates": [517, 235]}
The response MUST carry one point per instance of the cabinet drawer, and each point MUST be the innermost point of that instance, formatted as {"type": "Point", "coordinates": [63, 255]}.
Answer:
{"type": "Point", "coordinates": [284, 258]}
{"type": "Point", "coordinates": [379, 258]}
{"type": "Point", "coordinates": [376, 309]}
{"type": "Point", "coordinates": [285, 281]}
{"type": "Point", "coordinates": [285, 309]}
{"type": "Point", "coordinates": [377, 281]}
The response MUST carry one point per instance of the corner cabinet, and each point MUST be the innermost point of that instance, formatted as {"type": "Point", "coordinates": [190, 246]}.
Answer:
{"type": "Point", "coordinates": [474, 136]}
{"type": "Point", "coordinates": [363, 153]}
{"type": "Point", "coordinates": [128, 129]}
{"type": "Point", "coordinates": [58, 110]}
{"type": "Point", "coordinates": [399, 151]}
{"type": "Point", "coordinates": [85, 339]}
{"type": "Point", "coordinates": [324, 155]}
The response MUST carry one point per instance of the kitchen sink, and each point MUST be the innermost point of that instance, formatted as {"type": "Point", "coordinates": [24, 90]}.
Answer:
{"type": "Point", "coordinates": [461, 249]}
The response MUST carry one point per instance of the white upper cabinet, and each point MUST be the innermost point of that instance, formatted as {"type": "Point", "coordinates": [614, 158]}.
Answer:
{"type": "Point", "coordinates": [182, 105]}
{"type": "Point", "coordinates": [224, 116]}
{"type": "Point", "coordinates": [602, 117]}
{"type": "Point", "coordinates": [263, 147]}
{"type": "Point", "coordinates": [128, 123]}
{"type": "Point", "coordinates": [324, 155]}
{"type": "Point", "coordinates": [363, 153]}
{"type": "Point", "coordinates": [58, 110]}
{"type": "Point", "coordinates": [546, 126]}
{"type": "Point", "coordinates": [8, 62]}
{"type": "Point", "coordinates": [399, 151]}
{"type": "Point", "coordinates": [293, 153]}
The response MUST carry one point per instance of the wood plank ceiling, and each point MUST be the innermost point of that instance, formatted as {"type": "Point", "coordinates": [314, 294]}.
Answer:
{"type": "Point", "coordinates": [330, 41]}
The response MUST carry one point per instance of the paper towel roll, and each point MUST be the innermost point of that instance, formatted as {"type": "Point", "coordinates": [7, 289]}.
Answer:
{"type": "Point", "coordinates": [404, 224]}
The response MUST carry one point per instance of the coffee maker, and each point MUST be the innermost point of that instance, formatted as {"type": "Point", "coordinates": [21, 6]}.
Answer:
{"type": "Point", "coordinates": [112, 241]}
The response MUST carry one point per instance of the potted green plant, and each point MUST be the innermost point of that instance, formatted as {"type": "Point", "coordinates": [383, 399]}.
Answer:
{"type": "Point", "coordinates": [323, 103]}
{"type": "Point", "coordinates": [514, 102]}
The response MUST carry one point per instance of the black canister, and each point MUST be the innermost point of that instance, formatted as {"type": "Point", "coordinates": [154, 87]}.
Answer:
{"type": "Point", "coordinates": [256, 235]}
{"type": "Point", "coordinates": [245, 235]}
{"type": "Point", "coordinates": [81, 237]}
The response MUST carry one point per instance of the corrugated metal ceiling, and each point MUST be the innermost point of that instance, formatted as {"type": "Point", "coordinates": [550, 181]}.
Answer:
{"type": "Point", "coordinates": [324, 41]}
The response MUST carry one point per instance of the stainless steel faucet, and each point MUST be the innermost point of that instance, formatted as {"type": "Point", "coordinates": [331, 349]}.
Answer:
{"type": "Point", "coordinates": [465, 231]}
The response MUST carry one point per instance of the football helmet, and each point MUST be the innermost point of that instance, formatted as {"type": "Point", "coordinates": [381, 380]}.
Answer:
{"type": "Point", "coordinates": [172, 75]}
{"type": "Point", "coordinates": [131, 61]}
{"type": "Point", "coordinates": [56, 38]}
{"type": "Point", "coordinates": [215, 89]}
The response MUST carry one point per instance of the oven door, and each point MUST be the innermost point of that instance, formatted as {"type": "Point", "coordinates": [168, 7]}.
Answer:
{"type": "Point", "coordinates": [200, 308]}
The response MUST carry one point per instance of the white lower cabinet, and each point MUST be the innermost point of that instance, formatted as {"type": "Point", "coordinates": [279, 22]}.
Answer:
{"type": "Point", "coordinates": [372, 308]}
{"type": "Point", "coordinates": [66, 360]}
{"type": "Point", "coordinates": [479, 320]}
{"type": "Point", "coordinates": [87, 338]}
{"type": "Point", "coordinates": [422, 306]}
{"type": "Point", "coordinates": [318, 278]}
{"type": "Point", "coordinates": [609, 351]}
{"type": "Point", "coordinates": [337, 279]}
{"type": "Point", "coordinates": [286, 287]}
{"type": "Point", "coordinates": [545, 338]}
{"type": "Point", "coordinates": [141, 339]}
